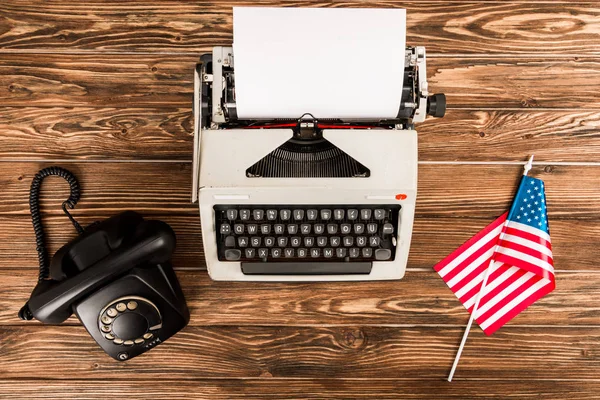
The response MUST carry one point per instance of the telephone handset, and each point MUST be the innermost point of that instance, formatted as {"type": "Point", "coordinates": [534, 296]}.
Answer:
{"type": "Point", "coordinates": [116, 277]}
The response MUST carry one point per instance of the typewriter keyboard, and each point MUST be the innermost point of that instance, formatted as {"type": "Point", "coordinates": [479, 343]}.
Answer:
{"type": "Point", "coordinates": [306, 239]}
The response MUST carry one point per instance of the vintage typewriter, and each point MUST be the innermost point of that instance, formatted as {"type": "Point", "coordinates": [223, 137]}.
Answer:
{"type": "Point", "coordinates": [305, 199]}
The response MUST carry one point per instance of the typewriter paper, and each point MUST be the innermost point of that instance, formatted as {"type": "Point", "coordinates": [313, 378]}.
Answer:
{"type": "Point", "coordinates": [332, 63]}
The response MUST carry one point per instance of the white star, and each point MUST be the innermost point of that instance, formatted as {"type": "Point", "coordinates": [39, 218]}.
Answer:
{"type": "Point", "coordinates": [522, 208]}
{"type": "Point", "coordinates": [532, 196]}
{"type": "Point", "coordinates": [542, 200]}
{"type": "Point", "coordinates": [525, 200]}
{"type": "Point", "coordinates": [539, 208]}
{"type": "Point", "coordinates": [528, 205]}
{"type": "Point", "coordinates": [525, 214]}
{"type": "Point", "coordinates": [540, 224]}
{"type": "Point", "coordinates": [539, 194]}
{"type": "Point", "coordinates": [535, 188]}
{"type": "Point", "coordinates": [535, 202]}
{"type": "Point", "coordinates": [531, 182]}
{"type": "Point", "coordinates": [518, 217]}
{"type": "Point", "coordinates": [536, 217]}
{"type": "Point", "coordinates": [529, 191]}
{"type": "Point", "coordinates": [528, 219]}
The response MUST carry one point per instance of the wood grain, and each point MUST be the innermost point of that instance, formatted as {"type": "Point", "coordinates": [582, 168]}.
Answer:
{"type": "Point", "coordinates": [84, 133]}
{"type": "Point", "coordinates": [464, 27]}
{"type": "Point", "coordinates": [53, 80]}
{"type": "Point", "coordinates": [443, 190]}
{"type": "Point", "coordinates": [96, 133]}
{"type": "Point", "coordinates": [286, 388]}
{"type": "Point", "coordinates": [56, 352]}
{"type": "Point", "coordinates": [432, 240]}
{"type": "Point", "coordinates": [421, 298]}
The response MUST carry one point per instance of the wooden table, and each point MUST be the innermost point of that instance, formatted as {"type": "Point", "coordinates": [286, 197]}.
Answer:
{"type": "Point", "coordinates": [105, 88]}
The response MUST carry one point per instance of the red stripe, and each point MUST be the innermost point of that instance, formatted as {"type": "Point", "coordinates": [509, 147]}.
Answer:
{"type": "Point", "coordinates": [529, 236]}
{"type": "Point", "coordinates": [499, 221]}
{"type": "Point", "coordinates": [500, 287]}
{"type": "Point", "coordinates": [509, 296]}
{"type": "Point", "coordinates": [460, 267]}
{"type": "Point", "coordinates": [519, 307]}
{"type": "Point", "coordinates": [517, 262]}
{"type": "Point", "coordinates": [524, 249]}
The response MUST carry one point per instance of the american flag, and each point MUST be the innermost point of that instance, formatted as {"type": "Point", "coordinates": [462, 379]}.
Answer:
{"type": "Point", "coordinates": [516, 249]}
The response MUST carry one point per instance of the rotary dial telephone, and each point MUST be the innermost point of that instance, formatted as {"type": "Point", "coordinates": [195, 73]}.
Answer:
{"type": "Point", "coordinates": [115, 276]}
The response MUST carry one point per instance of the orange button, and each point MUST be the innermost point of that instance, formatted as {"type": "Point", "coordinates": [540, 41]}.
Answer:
{"type": "Point", "coordinates": [401, 196]}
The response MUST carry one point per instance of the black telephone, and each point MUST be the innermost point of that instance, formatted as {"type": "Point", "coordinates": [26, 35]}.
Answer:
{"type": "Point", "coordinates": [116, 277]}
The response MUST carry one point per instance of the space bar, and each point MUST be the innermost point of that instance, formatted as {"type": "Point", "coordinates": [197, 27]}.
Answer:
{"type": "Point", "coordinates": [305, 268]}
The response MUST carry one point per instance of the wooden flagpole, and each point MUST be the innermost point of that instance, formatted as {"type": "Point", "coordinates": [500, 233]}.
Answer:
{"type": "Point", "coordinates": [527, 167]}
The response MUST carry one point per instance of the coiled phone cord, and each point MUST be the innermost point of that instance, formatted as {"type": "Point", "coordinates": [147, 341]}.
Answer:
{"type": "Point", "coordinates": [36, 219]}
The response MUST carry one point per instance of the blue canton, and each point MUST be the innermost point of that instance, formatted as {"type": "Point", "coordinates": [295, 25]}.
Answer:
{"type": "Point", "coordinates": [529, 206]}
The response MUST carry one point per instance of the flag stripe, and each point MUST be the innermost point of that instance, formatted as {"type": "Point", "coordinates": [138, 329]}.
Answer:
{"type": "Point", "coordinates": [481, 263]}
{"type": "Point", "coordinates": [523, 249]}
{"type": "Point", "coordinates": [528, 236]}
{"type": "Point", "coordinates": [527, 243]}
{"type": "Point", "coordinates": [511, 252]}
{"type": "Point", "coordinates": [503, 293]}
{"type": "Point", "coordinates": [528, 229]}
{"type": "Point", "coordinates": [525, 265]}
{"type": "Point", "coordinates": [490, 233]}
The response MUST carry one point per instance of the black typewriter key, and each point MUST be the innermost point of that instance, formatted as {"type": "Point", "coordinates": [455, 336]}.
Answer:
{"type": "Point", "coordinates": [265, 229]}
{"type": "Point", "coordinates": [340, 252]}
{"type": "Point", "coordinates": [361, 241]}
{"type": "Point", "coordinates": [279, 229]}
{"type": "Point", "coordinates": [348, 241]}
{"type": "Point", "coordinates": [263, 253]}
{"type": "Point", "coordinates": [258, 214]}
{"type": "Point", "coordinates": [225, 229]}
{"type": "Point", "coordinates": [292, 229]}
{"type": "Point", "coordinates": [365, 213]}
{"type": "Point", "coordinates": [288, 253]}
{"type": "Point", "coordinates": [298, 215]}
{"type": "Point", "coordinates": [372, 228]}
{"type": "Point", "coordinates": [325, 215]}
{"type": "Point", "coordinates": [232, 254]}
{"type": "Point", "coordinates": [305, 229]}
{"type": "Point", "coordinates": [238, 229]}
{"type": "Point", "coordinates": [252, 229]}
{"type": "Point", "coordinates": [229, 241]}
{"type": "Point", "coordinates": [335, 241]}
{"type": "Point", "coordinates": [338, 214]}
{"type": "Point", "coordinates": [379, 214]}
{"type": "Point", "coordinates": [285, 214]}
{"type": "Point", "coordinates": [328, 253]}
{"type": "Point", "coordinates": [332, 229]}
{"type": "Point", "coordinates": [383, 254]}
{"type": "Point", "coordinates": [315, 252]}
{"type": "Point", "coordinates": [354, 252]}
{"type": "Point", "coordinates": [276, 253]}
{"type": "Point", "coordinates": [352, 214]}
{"type": "Point", "coordinates": [374, 241]}
{"type": "Point", "coordinates": [322, 241]}
{"type": "Point", "coordinates": [271, 215]}
{"type": "Point", "coordinates": [232, 214]}
{"type": "Point", "coordinates": [388, 228]}
{"type": "Point", "coordinates": [295, 241]}
{"type": "Point", "coordinates": [302, 253]}
{"type": "Point", "coordinates": [250, 253]}
{"type": "Point", "coordinates": [309, 241]}
{"type": "Point", "coordinates": [367, 252]}
{"type": "Point", "coordinates": [311, 215]}
{"type": "Point", "coordinates": [345, 228]}
{"type": "Point", "coordinates": [359, 228]}
{"type": "Point", "coordinates": [245, 215]}
{"type": "Point", "coordinates": [242, 241]}
{"type": "Point", "coordinates": [319, 229]}
{"type": "Point", "coordinates": [269, 241]}
{"type": "Point", "coordinates": [255, 241]}
{"type": "Point", "coordinates": [282, 241]}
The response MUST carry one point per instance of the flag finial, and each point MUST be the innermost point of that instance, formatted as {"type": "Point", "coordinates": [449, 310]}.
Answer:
{"type": "Point", "coordinates": [528, 165]}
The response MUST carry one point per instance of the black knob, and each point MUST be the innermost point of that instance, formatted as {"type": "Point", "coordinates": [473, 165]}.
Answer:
{"type": "Point", "coordinates": [436, 105]}
{"type": "Point", "coordinates": [130, 326]}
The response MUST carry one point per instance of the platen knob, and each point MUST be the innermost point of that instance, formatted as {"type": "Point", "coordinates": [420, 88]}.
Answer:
{"type": "Point", "coordinates": [436, 105]}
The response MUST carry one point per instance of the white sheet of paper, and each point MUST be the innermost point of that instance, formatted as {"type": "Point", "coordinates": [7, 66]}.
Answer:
{"type": "Point", "coordinates": [330, 62]}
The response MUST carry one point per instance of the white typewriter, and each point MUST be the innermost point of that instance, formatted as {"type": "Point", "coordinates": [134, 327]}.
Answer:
{"type": "Point", "coordinates": [305, 199]}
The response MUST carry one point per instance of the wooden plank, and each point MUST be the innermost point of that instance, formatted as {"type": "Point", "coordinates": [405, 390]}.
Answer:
{"type": "Point", "coordinates": [443, 190]}
{"type": "Point", "coordinates": [421, 298]}
{"type": "Point", "coordinates": [53, 352]}
{"type": "Point", "coordinates": [511, 135]}
{"type": "Point", "coordinates": [432, 240]}
{"type": "Point", "coordinates": [281, 389]}
{"type": "Point", "coordinates": [166, 80]}
{"type": "Point", "coordinates": [37, 133]}
{"type": "Point", "coordinates": [464, 27]}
